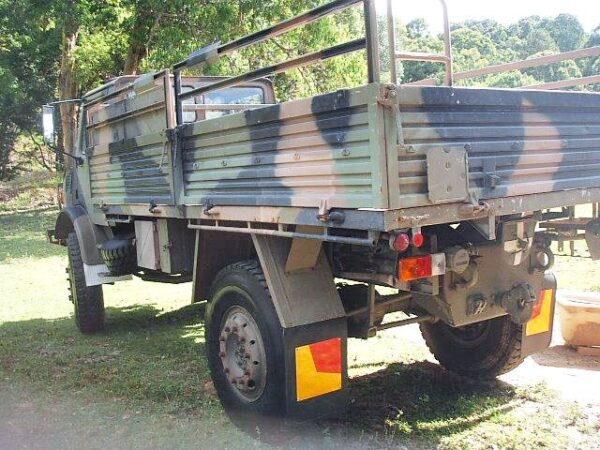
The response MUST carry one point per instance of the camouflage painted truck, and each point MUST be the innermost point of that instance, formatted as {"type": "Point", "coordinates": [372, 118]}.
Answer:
{"type": "Point", "coordinates": [431, 192]}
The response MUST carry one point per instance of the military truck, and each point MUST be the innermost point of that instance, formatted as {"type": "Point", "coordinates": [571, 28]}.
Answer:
{"type": "Point", "coordinates": [288, 218]}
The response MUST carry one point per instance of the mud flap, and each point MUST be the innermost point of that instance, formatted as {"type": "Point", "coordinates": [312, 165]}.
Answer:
{"type": "Point", "coordinates": [315, 327]}
{"type": "Point", "coordinates": [316, 369]}
{"type": "Point", "coordinates": [537, 333]}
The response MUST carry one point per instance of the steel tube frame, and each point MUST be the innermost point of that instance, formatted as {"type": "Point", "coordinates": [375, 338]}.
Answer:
{"type": "Point", "coordinates": [276, 30]}
{"type": "Point", "coordinates": [370, 42]}
{"type": "Point", "coordinates": [287, 234]}
{"type": "Point", "coordinates": [410, 321]}
{"type": "Point", "coordinates": [446, 58]}
{"type": "Point", "coordinates": [303, 60]}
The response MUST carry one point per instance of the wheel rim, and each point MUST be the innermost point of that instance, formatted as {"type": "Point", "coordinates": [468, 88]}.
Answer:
{"type": "Point", "coordinates": [470, 335]}
{"type": "Point", "coordinates": [242, 353]}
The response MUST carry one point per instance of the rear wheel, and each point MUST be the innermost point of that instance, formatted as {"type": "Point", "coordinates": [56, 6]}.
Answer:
{"type": "Point", "coordinates": [88, 301]}
{"type": "Point", "coordinates": [245, 346]}
{"type": "Point", "coordinates": [482, 350]}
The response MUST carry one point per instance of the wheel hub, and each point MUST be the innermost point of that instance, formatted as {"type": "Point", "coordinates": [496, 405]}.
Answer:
{"type": "Point", "coordinates": [242, 353]}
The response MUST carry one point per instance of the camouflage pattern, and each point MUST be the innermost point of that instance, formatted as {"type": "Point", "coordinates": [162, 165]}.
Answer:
{"type": "Point", "coordinates": [371, 159]}
{"type": "Point", "coordinates": [518, 142]}
{"type": "Point", "coordinates": [340, 150]}
{"type": "Point", "coordinates": [129, 158]}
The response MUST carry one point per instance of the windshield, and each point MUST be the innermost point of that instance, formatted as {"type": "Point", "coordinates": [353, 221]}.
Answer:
{"type": "Point", "coordinates": [231, 96]}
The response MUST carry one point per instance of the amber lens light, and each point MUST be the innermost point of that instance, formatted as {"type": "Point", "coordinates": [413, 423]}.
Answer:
{"type": "Point", "coordinates": [415, 268]}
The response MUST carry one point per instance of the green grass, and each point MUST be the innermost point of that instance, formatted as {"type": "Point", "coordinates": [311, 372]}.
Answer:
{"type": "Point", "coordinates": [33, 190]}
{"type": "Point", "coordinates": [144, 383]}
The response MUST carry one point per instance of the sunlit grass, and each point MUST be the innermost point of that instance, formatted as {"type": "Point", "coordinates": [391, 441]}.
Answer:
{"type": "Point", "coordinates": [145, 382]}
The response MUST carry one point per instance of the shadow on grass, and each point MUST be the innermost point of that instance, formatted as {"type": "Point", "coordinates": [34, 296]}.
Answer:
{"type": "Point", "coordinates": [146, 358]}
{"type": "Point", "coordinates": [137, 317]}
{"type": "Point", "coordinates": [422, 398]}
{"type": "Point", "coordinates": [153, 359]}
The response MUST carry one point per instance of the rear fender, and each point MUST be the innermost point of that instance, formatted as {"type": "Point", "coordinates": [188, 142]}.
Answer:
{"type": "Point", "coordinates": [537, 333]}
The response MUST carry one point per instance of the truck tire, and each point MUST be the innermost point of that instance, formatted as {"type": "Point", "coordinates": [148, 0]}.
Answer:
{"type": "Point", "coordinates": [483, 350]}
{"type": "Point", "coordinates": [245, 346]}
{"type": "Point", "coordinates": [87, 300]}
{"type": "Point", "coordinates": [120, 256]}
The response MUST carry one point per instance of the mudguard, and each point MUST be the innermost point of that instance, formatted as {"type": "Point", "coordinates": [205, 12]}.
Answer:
{"type": "Point", "coordinates": [537, 333]}
{"type": "Point", "coordinates": [90, 236]}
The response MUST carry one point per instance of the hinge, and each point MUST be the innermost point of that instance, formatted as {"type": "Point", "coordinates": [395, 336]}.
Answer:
{"type": "Point", "coordinates": [389, 97]}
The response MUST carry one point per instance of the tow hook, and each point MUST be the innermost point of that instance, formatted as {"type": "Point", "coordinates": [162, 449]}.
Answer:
{"type": "Point", "coordinates": [518, 302]}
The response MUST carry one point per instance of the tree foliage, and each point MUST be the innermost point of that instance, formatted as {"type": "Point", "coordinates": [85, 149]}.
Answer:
{"type": "Point", "coordinates": [53, 49]}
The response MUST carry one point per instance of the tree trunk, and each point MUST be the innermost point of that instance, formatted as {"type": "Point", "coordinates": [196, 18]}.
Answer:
{"type": "Point", "coordinates": [134, 57]}
{"type": "Point", "coordinates": [67, 90]}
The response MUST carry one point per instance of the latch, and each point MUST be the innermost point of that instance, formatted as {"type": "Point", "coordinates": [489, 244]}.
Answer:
{"type": "Point", "coordinates": [490, 178]}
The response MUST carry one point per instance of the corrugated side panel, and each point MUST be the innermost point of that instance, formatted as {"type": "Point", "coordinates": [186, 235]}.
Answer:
{"type": "Point", "coordinates": [137, 171]}
{"type": "Point", "coordinates": [129, 159]}
{"type": "Point", "coordinates": [304, 153]}
{"type": "Point", "coordinates": [518, 142]}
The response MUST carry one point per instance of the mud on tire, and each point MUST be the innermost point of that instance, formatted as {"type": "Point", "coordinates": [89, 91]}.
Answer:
{"type": "Point", "coordinates": [483, 350]}
{"type": "Point", "coordinates": [88, 301]}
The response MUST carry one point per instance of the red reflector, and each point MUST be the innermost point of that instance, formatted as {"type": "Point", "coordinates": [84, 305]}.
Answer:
{"type": "Point", "coordinates": [537, 308]}
{"type": "Point", "coordinates": [418, 239]}
{"type": "Point", "coordinates": [401, 242]}
{"type": "Point", "coordinates": [414, 268]}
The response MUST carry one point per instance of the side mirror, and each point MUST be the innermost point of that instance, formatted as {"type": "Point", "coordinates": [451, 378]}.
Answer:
{"type": "Point", "coordinates": [48, 125]}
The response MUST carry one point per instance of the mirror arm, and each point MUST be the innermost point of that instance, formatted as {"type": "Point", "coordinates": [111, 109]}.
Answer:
{"type": "Point", "coordinates": [78, 159]}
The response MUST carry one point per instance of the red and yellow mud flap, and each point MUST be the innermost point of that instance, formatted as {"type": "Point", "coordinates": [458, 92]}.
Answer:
{"type": "Point", "coordinates": [316, 369]}
{"type": "Point", "coordinates": [537, 333]}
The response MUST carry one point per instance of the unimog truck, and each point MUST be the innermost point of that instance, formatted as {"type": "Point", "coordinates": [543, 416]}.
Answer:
{"type": "Point", "coordinates": [289, 218]}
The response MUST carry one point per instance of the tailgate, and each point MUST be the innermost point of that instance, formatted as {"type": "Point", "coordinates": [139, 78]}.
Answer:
{"type": "Point", "coordinates": [515, 142]}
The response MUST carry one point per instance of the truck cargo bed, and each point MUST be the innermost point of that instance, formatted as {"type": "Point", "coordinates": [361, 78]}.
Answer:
{"type": "Point", "coordinates": [518, 142]}
{"type": "Point", "coordinates": [346, 150]}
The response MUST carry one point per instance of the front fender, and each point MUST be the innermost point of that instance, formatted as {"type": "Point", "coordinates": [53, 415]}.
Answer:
{"type": "Point", "coordinates": [89, 235]}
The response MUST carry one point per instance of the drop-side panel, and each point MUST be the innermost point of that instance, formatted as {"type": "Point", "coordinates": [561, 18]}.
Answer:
{"type": "Point", "coordinates": [518, 142]}
{"type": "Point", "coordinates": [326, 151]}
{"type": "Point", "coordinates": [128, 153]}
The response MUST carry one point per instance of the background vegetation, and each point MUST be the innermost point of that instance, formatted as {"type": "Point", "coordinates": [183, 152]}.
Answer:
{"type": "Point", "coordinates": [58, 49]}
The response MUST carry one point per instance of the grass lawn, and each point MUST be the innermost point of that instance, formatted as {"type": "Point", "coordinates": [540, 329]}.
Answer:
{"type": "Point", "coordinates": [144, 383]}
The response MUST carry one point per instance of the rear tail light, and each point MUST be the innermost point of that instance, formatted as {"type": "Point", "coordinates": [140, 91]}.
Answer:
{"type": "Point", "coordinates": [427, 266]}
{"type": "Point", "coordinates": [400, 242]}
{"type": "Point", "coordinates": [418, 239]}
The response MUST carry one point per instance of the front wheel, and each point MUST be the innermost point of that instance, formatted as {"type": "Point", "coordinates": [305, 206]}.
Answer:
{"type": "Point", "coordinates": [88, 301]}
{"type": "Point", "coordinates": [245, 345]}
{"type": "Point", "coordinates": [482, 350]}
